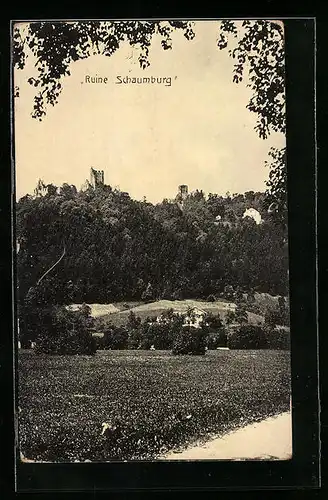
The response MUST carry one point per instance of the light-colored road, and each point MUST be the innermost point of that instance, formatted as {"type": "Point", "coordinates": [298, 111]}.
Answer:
{"type": "Point", "coordinates": [270, 439]}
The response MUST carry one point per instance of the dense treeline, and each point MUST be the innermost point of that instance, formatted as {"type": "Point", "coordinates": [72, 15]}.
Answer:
{"type": "Point", "coordinates": [117, 248]}
{"type": "Point", "coordinates": [59, 330]}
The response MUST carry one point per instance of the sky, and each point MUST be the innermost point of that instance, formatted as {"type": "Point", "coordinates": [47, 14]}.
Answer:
{"type": "Point", "coordinates": [147, 138]}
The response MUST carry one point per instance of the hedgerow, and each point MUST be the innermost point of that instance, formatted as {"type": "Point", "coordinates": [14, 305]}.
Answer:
{"type": "Point", "coordinates": [258, 337]}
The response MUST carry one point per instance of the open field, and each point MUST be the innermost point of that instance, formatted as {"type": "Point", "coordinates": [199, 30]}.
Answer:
{"type": "Point", "coordinates": [162, 401]}
{"type": "Point", "coordinates": [99, 310]}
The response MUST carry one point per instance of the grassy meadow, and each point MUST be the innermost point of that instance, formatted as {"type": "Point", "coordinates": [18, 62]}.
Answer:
{"type": "Point", "coordinates": [160, 402]}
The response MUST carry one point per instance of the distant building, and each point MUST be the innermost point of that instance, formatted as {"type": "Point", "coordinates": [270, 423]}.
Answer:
{"type": "Point", "coordinates": [98, 335]}
{"type": "Point", "coordinates": [96, 178]}
{"type": "Point", "coordinates": [194, 319]}
{"type": "Point", "coordinates": [182, 193]}
{"type": "Point", "coordinates": [253, 214]}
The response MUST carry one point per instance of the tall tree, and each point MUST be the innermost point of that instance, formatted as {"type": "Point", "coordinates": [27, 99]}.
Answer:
{"type": "Point", "coordinates": [258, 50]}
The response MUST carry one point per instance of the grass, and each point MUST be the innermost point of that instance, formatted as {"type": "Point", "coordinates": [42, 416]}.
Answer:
{"type": "Point", "coordinates": [99, 310]}
{"type": "Point", "coordinates": [162, 401]}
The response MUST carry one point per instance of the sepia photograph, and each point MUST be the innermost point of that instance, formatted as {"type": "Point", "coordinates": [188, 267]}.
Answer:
{"type": "Point", "coordinates": [151, 235]}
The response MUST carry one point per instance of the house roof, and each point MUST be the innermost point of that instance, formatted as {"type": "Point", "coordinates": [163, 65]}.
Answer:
{"type": "Point", "coordinates": [197, 309]}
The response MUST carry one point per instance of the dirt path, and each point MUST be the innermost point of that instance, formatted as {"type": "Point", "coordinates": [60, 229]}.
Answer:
{"type": "Point", "coordinates": [270, 439]}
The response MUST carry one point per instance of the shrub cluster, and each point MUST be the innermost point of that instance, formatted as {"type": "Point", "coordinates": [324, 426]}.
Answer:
{"type": "Point", "coordinates": [258, 337]}
{"type": "Point", "coordinates": [279, 338]}
{"type": "Point", "coordinates": [167, 332]}
{"type": "Point", "coordinates": [64, 331]}
{"type": "Point", "coordinates": [190, 340]}
{"type": "Point", "coordinates": [217, 339]}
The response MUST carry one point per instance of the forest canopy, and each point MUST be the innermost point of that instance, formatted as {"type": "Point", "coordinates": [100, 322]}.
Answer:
{"type": "Point", "coordinates": [117, 248]}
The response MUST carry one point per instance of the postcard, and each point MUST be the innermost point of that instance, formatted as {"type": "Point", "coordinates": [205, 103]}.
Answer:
{"type": "Point", "coordinates": [151, 237]}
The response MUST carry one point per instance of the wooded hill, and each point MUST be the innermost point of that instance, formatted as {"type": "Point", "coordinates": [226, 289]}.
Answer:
{"type": "Point", "coordinates": [117, 248]}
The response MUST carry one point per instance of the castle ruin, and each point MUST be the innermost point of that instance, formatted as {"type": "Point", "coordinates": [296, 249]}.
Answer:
{"type": "Point", "coordinates": [183, 192]}
{"type": "Point", "coordinates": [96, 178]}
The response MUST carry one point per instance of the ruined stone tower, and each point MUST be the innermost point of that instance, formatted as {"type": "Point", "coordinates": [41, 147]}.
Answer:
{"type": "Point", "coordinates": [183, 192]}
{"type": "Point", "coordinates": [96, 178]}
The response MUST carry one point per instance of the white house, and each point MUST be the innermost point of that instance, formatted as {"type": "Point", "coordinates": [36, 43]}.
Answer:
{"type": "Point", "coordinates": [253, 214]}
{"type": "Point", "coordinates": [193, 319]}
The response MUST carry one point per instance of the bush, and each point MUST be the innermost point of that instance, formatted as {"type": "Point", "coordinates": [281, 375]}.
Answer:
{"type": "Point", "coordinates": [34, 321]}
{"type": "Point", "coordinates": [214, 322]}
{"type": "Point", "coordinates": [278, 339]}
{"type": "Point", "coordinates": [240, 314]}
{"type": "Point", "coordinates": [134, 321]}
{"type": "Point", "coordinates": [159, 335]}
{"type": "Point", "coordinates": [190, 341]}
{"type": "Point", "coordinates": [66, 332]}
{"type": "Point", "coordinates": [99, 341]}
{"type": "Point", "coordinates": [258, 337]}
{"type": "Point", "coordinates": [277, 315]}
{"type": "Point", "coordinates": [150, 333]}
{"type": "Point", "coordinates": [70, 343]}
{"type": "Point", "coordinates": [158, 332]}
{"type": "Point", "coordinates": [272, 317]}
{"type": "Point", "coordinates": [115, 337]}
{"type": "Point", "coordinates": [247, 337]}
{"type": "Point", "coordinates": [217, 339]}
